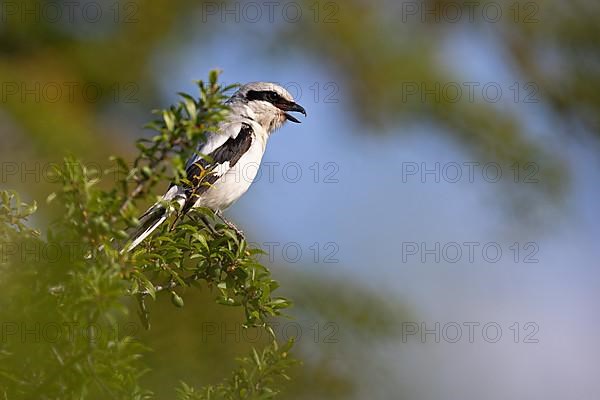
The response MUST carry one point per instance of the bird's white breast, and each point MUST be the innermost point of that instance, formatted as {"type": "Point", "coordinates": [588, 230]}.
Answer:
{"type": "Point", "coordinates": [237, 180]}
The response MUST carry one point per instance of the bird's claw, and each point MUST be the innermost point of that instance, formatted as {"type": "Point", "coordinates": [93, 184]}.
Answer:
{"type": "Point", "coordinates": [230, 225]}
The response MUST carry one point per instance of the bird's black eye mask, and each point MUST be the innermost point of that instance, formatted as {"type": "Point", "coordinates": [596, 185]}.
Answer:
{"type": "Point", "coordinates": [266, 95]}
{"type": "Point", "coordinates": [278, 101]}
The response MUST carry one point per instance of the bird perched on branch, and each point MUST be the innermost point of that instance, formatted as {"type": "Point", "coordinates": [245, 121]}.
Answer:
{"type": "Point", "coordinates": [224, 166]}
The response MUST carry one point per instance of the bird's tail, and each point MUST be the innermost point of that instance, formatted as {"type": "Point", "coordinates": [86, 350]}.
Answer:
{"type": "Point", "coordinates": [156, 215]}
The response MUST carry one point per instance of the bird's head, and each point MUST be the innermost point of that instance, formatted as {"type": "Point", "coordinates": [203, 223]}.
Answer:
{"type": "Point", "coordinates": [270, 103]}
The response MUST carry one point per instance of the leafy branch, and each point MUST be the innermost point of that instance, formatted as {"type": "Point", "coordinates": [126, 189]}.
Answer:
{"type": "Point", "coordinates": [90, 291]}
{"type": "Point", "coordinates": [254, 379]}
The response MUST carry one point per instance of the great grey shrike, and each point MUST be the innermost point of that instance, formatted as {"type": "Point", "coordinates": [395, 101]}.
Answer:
{"type": "Point", "coordinates": [257, 109]}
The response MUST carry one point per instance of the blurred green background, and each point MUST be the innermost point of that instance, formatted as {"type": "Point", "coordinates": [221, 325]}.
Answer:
{"type": "Point", "coordinates": [388, 85]}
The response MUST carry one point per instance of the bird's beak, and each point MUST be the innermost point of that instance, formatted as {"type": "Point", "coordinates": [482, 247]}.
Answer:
{"type": "Point", "coordinates": [293, 107]}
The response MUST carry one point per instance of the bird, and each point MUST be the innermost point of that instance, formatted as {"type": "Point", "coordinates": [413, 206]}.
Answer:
{"type": "Point", "coordinates": [256, 110]}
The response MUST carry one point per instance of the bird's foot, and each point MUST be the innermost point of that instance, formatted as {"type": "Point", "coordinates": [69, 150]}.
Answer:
{"type": "Point", "coordinates": [230, 224]}
{"type": "Point", "coordinates": [208, 225]}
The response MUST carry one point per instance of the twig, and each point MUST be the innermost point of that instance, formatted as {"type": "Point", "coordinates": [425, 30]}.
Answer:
{"type": "Point", "coordinates": [171, 285]}
{"type": "Point", "coordinates": [152, 165]}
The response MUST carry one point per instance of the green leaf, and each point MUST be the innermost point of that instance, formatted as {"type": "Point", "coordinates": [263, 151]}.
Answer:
{"type": "Point", "coordinates": [51, 197]}
{"type": "Point", "coordinates": [257, 359]}
{"type": "Point", "coordinates": [176, 299]}
{"type": "Point", "coordinates": [169, 119]}
{"type": "Point", "coordinates": [213, 76]}
{"type": "Point", "coordinates": [190, 104]}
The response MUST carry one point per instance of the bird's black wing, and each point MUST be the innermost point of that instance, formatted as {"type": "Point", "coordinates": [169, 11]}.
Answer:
{"type": "Point", "coordinates": [206, 170]}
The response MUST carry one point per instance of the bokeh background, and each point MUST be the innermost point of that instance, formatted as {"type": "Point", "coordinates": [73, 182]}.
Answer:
{"type": "Point", "coordinates": [360, 207]}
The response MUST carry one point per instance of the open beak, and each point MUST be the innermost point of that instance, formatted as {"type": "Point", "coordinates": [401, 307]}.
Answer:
{"type": "Point", "coordinates": [292, 107]}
